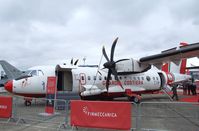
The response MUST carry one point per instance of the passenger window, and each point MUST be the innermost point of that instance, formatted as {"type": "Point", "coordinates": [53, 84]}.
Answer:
{"type": "Point", "coordinates": [153, 78]}
{"type": "Point", "coordinates": [89, 78]}
{"type": "Point", "coordinates": [134, 78]}
{"type": "Point", "coordinates": [142, 78]}
{"type": "Point", "coordinates": [94, 77]}
{"type": "Point", "coordinates": [148, 78]}
{"type": "Point", "coordinates": [100, 78]}
{"type": "Point", "coordinates": [104, 77]}
{"type": "Point", "coordinates": [82, 77]}
{"type": "Point", "coordinates": [138, 78]}
{"type": "Point", "coordinates": [120, 78]}
{"type": "Point", "coordinates": [156, 78]}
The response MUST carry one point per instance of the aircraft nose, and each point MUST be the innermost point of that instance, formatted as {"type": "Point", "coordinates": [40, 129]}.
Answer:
{"type": "Point", "coordinates": [8, 86]}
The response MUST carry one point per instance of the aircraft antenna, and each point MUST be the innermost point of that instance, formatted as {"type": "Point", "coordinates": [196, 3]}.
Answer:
{"type": "Point", "coordinates": [84, 59]}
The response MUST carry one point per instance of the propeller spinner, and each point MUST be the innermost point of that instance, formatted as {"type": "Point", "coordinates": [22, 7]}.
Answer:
{"type": "Point", "coordinates": [110, 64]}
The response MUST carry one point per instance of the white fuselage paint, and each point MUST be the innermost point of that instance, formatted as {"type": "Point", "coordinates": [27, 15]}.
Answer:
{"type": "Point", "coordinates": [83, 79]}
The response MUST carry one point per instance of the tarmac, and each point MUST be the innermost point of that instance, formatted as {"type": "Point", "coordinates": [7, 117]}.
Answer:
{"type": "Point", "coordinates": [156, 113]}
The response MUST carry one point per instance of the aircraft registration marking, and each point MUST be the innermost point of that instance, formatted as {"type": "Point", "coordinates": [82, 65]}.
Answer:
{"type": "Point", "coordinates": [126, 82]}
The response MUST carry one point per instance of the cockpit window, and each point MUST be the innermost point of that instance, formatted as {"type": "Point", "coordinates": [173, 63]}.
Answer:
{"type": "Point", "coordinates": [40, 72]}
{"type": "Point", "coordinates": [33, 73]}
{"type": "Point", "coordinates": [36, 73]}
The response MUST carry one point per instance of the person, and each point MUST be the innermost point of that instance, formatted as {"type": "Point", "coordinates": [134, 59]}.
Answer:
{"type": "Point", "coordinates": [193, 89]}
{"type": "Point", "coordinates": [175, 94]}
{"type": "Point", "coordinates": [185, 87]}
{"type": "Point", "coordinates": [189, 88]}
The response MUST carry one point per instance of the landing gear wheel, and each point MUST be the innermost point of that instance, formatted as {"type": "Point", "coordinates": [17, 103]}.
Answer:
{"type": "Point", "coordinates": [27, 103]}
{"type": "Point", "coordinates": [134, 99]}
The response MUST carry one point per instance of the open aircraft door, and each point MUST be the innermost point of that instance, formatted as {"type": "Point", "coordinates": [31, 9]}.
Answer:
{"type": "Point", "coordinates": [64, 78]}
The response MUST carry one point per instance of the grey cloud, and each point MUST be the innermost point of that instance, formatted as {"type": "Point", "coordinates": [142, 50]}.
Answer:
{"type": "Point", "coordinates": [44, 32]}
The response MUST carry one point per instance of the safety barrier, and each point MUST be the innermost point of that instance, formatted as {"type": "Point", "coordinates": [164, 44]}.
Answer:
{"type": "Point", "coordinates": [164, 116]}
{"type": "Point", "coordinates": [101, 114]}
{"type": "Point", "coordinates": [146, 116]}
{"type": "Point", "coordinates": [5, 107]}
{"type": "Point", "coordinates": [35, 114]}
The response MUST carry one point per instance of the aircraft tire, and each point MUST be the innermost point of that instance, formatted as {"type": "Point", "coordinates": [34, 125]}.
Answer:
{"type": "Point", "coordinates": [134, 99]}
{"type": "Point", "coordinates": [27, 103]}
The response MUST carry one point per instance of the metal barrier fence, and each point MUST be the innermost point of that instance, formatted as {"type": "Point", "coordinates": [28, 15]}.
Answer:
{"type": "Point", "coordinates": [146, 116]}
{"type": "Point", "coordinates": [168, 116]}
{"type": "Point", "coordinates": [35, 114]}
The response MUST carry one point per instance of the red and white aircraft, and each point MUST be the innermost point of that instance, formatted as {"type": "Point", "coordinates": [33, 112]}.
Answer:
{"type": "Point", "coordinates": [125, 77]}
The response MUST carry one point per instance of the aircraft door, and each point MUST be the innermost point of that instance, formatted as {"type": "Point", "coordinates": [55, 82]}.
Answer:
{"type": "Point", "coordinates": [68, 81]}
{"type": "Point", "coordinates": [163, 81]}
{"type": "Point", "coordinates": [64, 80]}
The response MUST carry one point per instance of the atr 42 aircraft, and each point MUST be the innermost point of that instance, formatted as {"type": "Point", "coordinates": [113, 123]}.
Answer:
{"type": "Point", "coordinates": [124, 77]}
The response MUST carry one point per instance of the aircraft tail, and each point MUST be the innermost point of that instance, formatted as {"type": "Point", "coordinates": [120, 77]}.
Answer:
{"type": "Point", "coordinates": [178, 66]}
{"type": "Point", "coordinates": [11, 71]}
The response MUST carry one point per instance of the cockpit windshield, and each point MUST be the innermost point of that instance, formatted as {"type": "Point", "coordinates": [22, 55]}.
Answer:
{"type": "Point", "coordinates": [36, 72]}
{"type": "Point", "coordinates": [33, 73]}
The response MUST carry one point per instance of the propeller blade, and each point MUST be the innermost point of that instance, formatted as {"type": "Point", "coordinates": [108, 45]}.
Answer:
{"type": "Point", "coordinates": [104, 53]}
{"type": "Point", "coordinates": [76, 62]}
{"type": "Point", "coordinates": [99, 72]}
{"type": "Point", "coordinates": [113, 49]}
{"type": "Point", "coordinates": [71, 62]}
{"type": "Point", "coordinates": [108, 79]}
{"type": "Point", "coordinates": [121, 60]}
{"type": "Point", "coordinates": [114, 72]}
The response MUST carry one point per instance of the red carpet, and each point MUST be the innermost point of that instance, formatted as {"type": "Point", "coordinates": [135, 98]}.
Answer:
{"type": "Point", "coordinates": [190, 99]}
{"type": "Point", "coordinates": [183, 98]}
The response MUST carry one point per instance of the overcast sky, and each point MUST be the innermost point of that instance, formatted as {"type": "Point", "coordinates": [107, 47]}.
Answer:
{"type": "Point", "coordinates": [43, 32]}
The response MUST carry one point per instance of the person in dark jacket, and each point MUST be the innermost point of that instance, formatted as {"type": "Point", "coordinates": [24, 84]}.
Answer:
{"type": "Point", "coordinates": [189, 88]}
{"type": "Point", "coordinates": [175, 94]}
{"type": "Point", "coordinates": [193, 89]}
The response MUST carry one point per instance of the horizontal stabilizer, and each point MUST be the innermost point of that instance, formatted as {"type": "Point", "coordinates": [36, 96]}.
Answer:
{"type": "Point", "coordinates": [11, 71]}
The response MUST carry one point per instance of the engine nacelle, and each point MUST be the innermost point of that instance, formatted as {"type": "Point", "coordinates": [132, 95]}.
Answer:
{"type": "Point", "coordinates": [131, 66]}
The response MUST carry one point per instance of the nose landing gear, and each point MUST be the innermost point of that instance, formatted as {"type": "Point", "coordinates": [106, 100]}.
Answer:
{"type": "Point", "coordinates": [28, 101]}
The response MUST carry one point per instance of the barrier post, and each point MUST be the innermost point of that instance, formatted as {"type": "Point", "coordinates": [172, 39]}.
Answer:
{"type": "Point", "coordinates": [138, 118]}
{"type": "Point", "coordinates": [65, 124]}
{"type": "Point", "coordinates": [50, 94]}
{"type": "Point", "coordinates": [14, 109]}
{"type": "Point", "coordinates": [67, 112]}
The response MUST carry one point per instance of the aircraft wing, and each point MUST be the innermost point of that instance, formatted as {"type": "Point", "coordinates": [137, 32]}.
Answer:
{"type": "Point", "coordinates": [194, 67]}
{"type": "Point", "coordinates": [174, 55]}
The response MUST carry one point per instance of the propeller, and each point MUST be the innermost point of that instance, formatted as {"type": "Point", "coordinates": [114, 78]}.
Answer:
{"type": "Point", "coordinates": [75, 63]}
{"type": "Point", "coordinates": [71, 62]}
{"type": "Point", "coordinates": [110, 64]}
